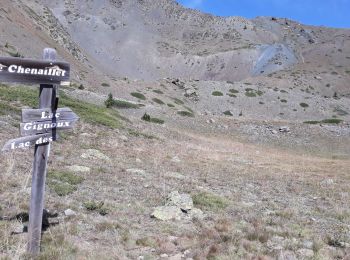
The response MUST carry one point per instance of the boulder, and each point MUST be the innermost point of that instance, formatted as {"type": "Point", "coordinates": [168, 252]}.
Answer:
{"type": "Point", "coordinates": [167, 213]}
{"type": "Point", "coordinates": [182, 201]}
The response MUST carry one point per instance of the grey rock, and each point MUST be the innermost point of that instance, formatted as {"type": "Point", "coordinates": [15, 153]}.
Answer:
{"type": "Point", "coordinates": [123, 138]}
{"type": "Point", "coordinates": [175, 159]}
{"type": "Point", "coordinates": [305, 253]}
{"type": "Point", "coordinates": [69, 213]}
{"type": "Point", "coordinates": [327, 182]}
{"type": "Point", "coordinates": [18, 228]}
{"type": "Point", "coordinates": [93, 154]}
{"type": "Point", "coordinates": [308, 244]}
{"type": "Point", "coordinates": [136, 171]}
{"type": "Point", "coordinates": [182, 201]}
{"type": "Point", "coordinates": [167, 213]}
{"type": "Point", "coordinates": [284, 129]}
{"type": "Point", "coordinates": [176, 257]}
{"type": "Point", "coordinates": [196, 214]}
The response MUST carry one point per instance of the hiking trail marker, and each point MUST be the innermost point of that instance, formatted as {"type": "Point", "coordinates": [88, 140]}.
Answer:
{"type": "Point", "coordinates": [39, 126]}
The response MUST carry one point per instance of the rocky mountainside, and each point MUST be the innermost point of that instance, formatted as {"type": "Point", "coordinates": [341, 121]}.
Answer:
{"type": "Point", "coordinates": [287, 70]}
{"type": "Point", "coordinates": [156, 39]}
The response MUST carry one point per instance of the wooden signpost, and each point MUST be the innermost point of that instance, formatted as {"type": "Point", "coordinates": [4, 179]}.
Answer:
{"type": "Point", "coordinates": [39, 126]}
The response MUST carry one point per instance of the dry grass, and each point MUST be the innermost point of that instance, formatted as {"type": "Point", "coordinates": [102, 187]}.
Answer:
{"type": "Point", "coordinates": [250, 199]}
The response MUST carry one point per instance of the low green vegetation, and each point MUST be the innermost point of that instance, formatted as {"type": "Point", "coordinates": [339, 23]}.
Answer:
{"type": "Point", "coordinates": [233, 91]}
{"type": "Point", "coordinates": [185, 113]}
{"type": "Point", "coordinates": [312, 122]}
{"type": "Point", "coordinates": [146, 117]}
{"type": "Point", "coordinates": [217, 93]}
{"type": "Point", "coordinates": [15, 54]}
{"type": "Point", "coordinates": [104, 84]}
{"type": "Point", "coordinates": [209, 201]}
{"type": "Point", "coordinates": [61, 188]}
{"type": "Point", "coordinates": [304, 105]}
{"type": "Point", "coordinates": [332, 121]}
{"type": "Point", "coordinates": [91, 113]}
{"type": "Point", "coordinates": [158, 91]}
{"type": "Point", "coordinates": [158, 101]}
{"type": "Point", "coordinates": [138, 95]}
{"type": "Point", "coordinates": [96, 206]}
{"type": "Point", "coordinates": [65, 176]}
{"type": "Point", "coordinates": [7, 109]}
{"type": "Point", "coordinates": [14, 98]}
{"type": "Point", "coordinates": [63, 183]}
{"type": "Point", "coordinates": [188, 109]}
{"type": "Point", "coordinates": [231, 95]}
{"type": "Point", "coordinates": [178, 101]}
{"type": "Point", "coordinates": [93, 205]}
{"type": "Point", "coordinates": [140, 134]}
{"type": "Point", "coordinates": [249, 92]}
{"type": "Point", "coordinates": [325, 121]}
{"type": "Point", "coordinates": [111, 102]}
{"type": "Point", "coordinates": [170, 105]}
{"type": "Point", "coordinates": [228, 113]}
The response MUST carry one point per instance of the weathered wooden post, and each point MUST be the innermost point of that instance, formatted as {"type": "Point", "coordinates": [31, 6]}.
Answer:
{"type": "Point", "coordinates": [39, 126]}
{"type": "Point", "coordinates": [47, 99]}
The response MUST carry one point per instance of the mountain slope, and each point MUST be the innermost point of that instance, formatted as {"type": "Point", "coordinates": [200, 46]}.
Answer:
{"type": "Point", "coordinates": [157, 39]}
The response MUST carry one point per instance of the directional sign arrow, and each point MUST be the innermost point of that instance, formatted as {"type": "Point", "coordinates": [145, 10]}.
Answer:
{"type": "Point", "coordinates": [41, 127]}
{"type": "Point", "coordinates": [34, 71]}
{"type": "Point", "coordinates": [45, 114]}
{"type": "Point", "coordinates": [27, 141]}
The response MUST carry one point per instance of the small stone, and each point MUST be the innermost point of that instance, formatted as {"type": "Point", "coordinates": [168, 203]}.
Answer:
{"type": "Point", "coordinates": [69, 213]}
{"type": "Point", "coordinates": [93, 154]}
{"type": "Point", "coordinates": [212, 121]}
{"type": "Point", "coordinates": [274, 132]}
{"type": "Point", "coordinates": [167, 213]}
{"type": "Point", "coordinates": [308, 244]}
{"type": "Point", "coordinates": [163, 256]}
{"type": "Point", "coordinates": [176, 257]}
{"type": "Point", "coordinates": [327, 182]}
{"type": "Point", "coordinates": [186, 252]}
{"type": "Point", "coordinates": [303, 253]}
{"type": "Point", "coordinates": [284, 129]}
{"type": "Point", "coordinates": [318, 77]}
{"type": "Point", "coordinates": [123, 138]}
{"type": "Point", "coordinates": [17, 229]}
{"type": "Point", "coordinates": [141, 257]}
{"type": "Point", "coordinates": [175, 159]}
{"type": "Point", "coordinates": [136, 171]}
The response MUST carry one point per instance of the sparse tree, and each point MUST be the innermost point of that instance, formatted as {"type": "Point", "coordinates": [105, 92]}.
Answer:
{"type": "Point", "coordinates": [109, 101]}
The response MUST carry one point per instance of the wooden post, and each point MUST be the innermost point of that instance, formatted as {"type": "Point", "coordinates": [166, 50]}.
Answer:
{"type": "Point", "coordinates": [47, 99]}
